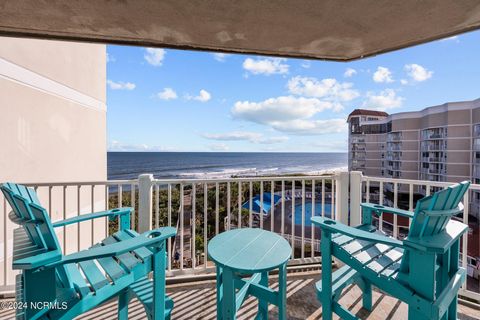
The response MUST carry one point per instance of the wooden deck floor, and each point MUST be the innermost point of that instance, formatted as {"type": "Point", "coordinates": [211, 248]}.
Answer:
{"type": "Point", "coordinates": [197, 301]}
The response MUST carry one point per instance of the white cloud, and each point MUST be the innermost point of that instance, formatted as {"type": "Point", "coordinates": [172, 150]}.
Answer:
{"type": "Point", "coordinates": [382, 75]}
{"type": "Point", "coordinates": [253, 137]}
{"type": "Point", "coordinates": [167, 94]}
{"type": "Point", "coordinates": [404, 81]}
{"type": "Point", "coordinates": [115, 145]}
{"type": "Point", "coordinates": [349, 72]}
{"type": "Point", "coordinates": [311, 127]}
{"type": "Point", "coordinates": [454, 38]}
{"type": "Point", "coordinates": [279, 109]}
{"type": "Point", "coordinates": [267, 66]}
{"type": "Point", "coordinates": [328, 89]}
{"type": "Point", "coordinates": [154, 56]}
{"type": "Point", "coordinates": [289, 114]}
{"type": "Point", "coordinates": [121, 85]}
{"type": "Point", "coordinates": [219, 147]}
{"type": "Point", "coordinates": [306, 64]}
{"type": "Point", "coordinates": [220, 56]}
{"type": "Point", "coordinates": [417, 72]}
{"type": "Point", "coordinates": [386, 99]}
{"type": "Point", "coordinates": [203, 96]}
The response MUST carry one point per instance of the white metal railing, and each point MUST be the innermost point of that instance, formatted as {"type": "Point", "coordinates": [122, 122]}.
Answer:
{"type": "Point", "coordinates": [202, 208]}
{"type": "Point", "coordinates": [177, 203]}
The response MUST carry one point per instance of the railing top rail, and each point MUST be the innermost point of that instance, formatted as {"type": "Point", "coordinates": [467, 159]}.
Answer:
{"type": "Point", "coordinates": [416, 182]}
{"type": "Point", "coordinates": [79, 183]}
{"type": "Point", "coordinates": [244, 179]}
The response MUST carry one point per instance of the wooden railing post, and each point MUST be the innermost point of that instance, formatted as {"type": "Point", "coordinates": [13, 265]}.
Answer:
{"type": "Point", "coordinates": [145, 185]}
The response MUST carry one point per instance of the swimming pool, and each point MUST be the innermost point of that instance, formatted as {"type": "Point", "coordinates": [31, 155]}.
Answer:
{"type": "Point", "coordinates": [308, 212]}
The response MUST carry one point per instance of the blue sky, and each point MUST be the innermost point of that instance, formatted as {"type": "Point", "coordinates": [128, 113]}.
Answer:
{"type": "Point", "coordinates": [173, 100]}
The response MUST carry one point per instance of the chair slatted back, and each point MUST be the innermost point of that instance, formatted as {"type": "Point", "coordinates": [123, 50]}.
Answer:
{"type": "Point", "coordinates": [444, 202]}
{"type": "Point", "coordinates": [34, 219]}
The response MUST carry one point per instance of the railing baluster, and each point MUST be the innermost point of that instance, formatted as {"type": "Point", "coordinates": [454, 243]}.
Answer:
{"type": "Point", "coordinates": [367, 197]}
{"type": "Point", "coordinates": [282, 226]}
{"type": "Point", "coordinates": [293, 219]}
{"type": "Point", "coordinates": [323, 201]}
{"type": "Point", "coordinates": [261, 205]}
{"type": "Point", "coordinates": [395, 203]}
{"type": "Point", "coordinates": [239, 204]}
{"type": "Point", "coordinates": [133, 200]}
{"type": "Point", "coordinates": [465, 235]}
{"type": "Point", "coordinates": [78, 213]}
{"type": "Point", "coordinates": [92, 199]}
{"type": "Point", "coordinates": [228, 206]}
{"type": "Point", "coordinates": [333, 214]}
{"type": "Point", "coordinates": [312, 228]}
{"type": "Point", "coordinates": [169, 222]}
{"type": "Point", "coordinates": [106, 209]}
{"type": "Point", "coordinates": [157, 205]}
{"type": "Point", "coordinates": [5, 243]}
{"type": "Point", "coordinates": [182, 204]}
{"type": "Point", "coordinates": [194, 226]}
{"type": "Point", "coordinates": [410, 201]}
{"type": "Point", "coordinates": [64, 217]}
{"type": "Point", "coordinates": [250, 205]}
{"type": "Point", "coordinates": [120, 195]}
{"type": "Point", "coordinates": [205, 225]}
{"type": "Point", "coordinates": [217, 209]}
{"type": "Point", "coordinates": [272, 205]}
{"type": "Point", "coordinates": [380, 199]}
{"type": "Point", "coordinates": [302, 249]}
{"type": "Point", "coordinates": [50, 201]}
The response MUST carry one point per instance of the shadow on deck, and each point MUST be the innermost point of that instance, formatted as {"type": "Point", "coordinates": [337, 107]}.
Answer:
{"type": "Point", "coordinates": [197, 301]}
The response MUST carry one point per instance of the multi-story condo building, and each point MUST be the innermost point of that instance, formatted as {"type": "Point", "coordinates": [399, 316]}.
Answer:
{"type": "Point", "coordinates": [438, 143]}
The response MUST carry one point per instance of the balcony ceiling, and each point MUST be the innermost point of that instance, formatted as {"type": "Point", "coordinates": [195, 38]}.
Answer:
{"type": "Point", "coordinates": [328, 29]}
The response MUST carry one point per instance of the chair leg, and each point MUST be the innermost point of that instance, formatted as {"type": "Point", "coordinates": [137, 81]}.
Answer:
{"type": "Point", "coordinates": [366, 287]}
{"type": "Point", "coordinates": [228, 299]}
{"type": "Point", "coordinates": [263, 304]}
{"type": "Point", "coordinates": [452, 309]}
{"type": "Point", "coordinates": [159, 284]}
{"type": "Point", "coordinates": [123, 300]}
{"type": "Point", "coordinates": [327, 301]}
{"type": "Point", "coordinates": [282, 293]}
{"type": "Point", "coordinates": [219, 292]}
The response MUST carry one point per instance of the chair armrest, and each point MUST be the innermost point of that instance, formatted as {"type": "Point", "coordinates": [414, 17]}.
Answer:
{"type": "Point", "coordinates": [337, 227]}
{"type": "Point", "coordinates": [379, 209]}
{"type": "Point", "coordinates": [84, 217]}
{"type": "Point", "coordinates": [151, 238]}
{"type": "Point", "coordinates": [438, 243]}
{"type": "Point", "coordinates": [37, 261]}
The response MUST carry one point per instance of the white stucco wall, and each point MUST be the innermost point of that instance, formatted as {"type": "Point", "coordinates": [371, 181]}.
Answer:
{"type": "Point", "coordinates": [52, 128]}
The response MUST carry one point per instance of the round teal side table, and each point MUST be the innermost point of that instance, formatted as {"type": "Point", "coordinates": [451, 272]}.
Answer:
{"type": "Point", "coordinates": [254, 253]}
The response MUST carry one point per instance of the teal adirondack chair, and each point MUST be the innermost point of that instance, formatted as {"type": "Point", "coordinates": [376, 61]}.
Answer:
{"type": "Point", "coordinates": [73, 284]}
{"type": "Point", "coordinates": [421, 270]}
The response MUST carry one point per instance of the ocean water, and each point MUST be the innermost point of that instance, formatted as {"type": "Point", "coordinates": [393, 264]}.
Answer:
{"type": "Point", "coordinates": [169, 165]}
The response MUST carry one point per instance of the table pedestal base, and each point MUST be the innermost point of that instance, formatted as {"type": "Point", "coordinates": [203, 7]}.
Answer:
{"type": "Point", "coordinates": [232, 290]}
